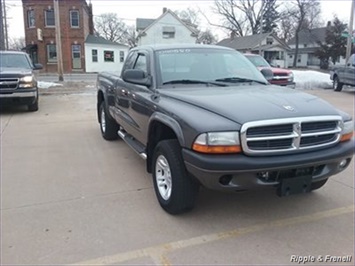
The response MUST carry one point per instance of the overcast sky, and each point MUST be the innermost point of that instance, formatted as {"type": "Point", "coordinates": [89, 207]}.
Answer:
{"type": "Point", "coordinates": [129, 10]}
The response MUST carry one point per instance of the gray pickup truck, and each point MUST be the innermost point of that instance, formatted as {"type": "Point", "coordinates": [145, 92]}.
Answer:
{"type": "Point", "coordinates": [343, 75]}
{"type": "Point", "coordinates": [204, 115]}
{"type": "Point", "coordinates": [18, 83]}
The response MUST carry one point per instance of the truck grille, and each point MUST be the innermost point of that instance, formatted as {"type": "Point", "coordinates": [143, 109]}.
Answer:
{"type": "Point", "coordinates": [290, 135]}
{"type": "Point", "coordinates": [8, 83]}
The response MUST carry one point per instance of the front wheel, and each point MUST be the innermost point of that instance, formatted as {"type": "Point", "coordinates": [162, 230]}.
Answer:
{"type": "Point", "coordinates": [175, 189]}
{"type": "Point", "coordinates": [318, 184]}
{"type": "Point", "coordinates": [108, 126]}
{"type": "Point", "coordinates": [34, 106]}
{"type": "Point", "coordinates": [337, 85]}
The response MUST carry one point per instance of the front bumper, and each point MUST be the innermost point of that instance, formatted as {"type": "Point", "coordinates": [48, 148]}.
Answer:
{"type": "Point", "coordinates": [240, 172]}
{"type": "Point", "coordinates": [19, 97]}
{"type": "Point", "coordinates": [288, 84]}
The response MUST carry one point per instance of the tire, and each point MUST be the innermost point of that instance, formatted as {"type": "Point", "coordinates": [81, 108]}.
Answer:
{"type": "Point", "coordinates": [337, 85]}
{"type": "Point", "coordinates": [33, 107]}
{"type": "Point", "coordinates": [318, 184]}
{"type": "Point", "coordinates": [108, 126]}
{"type": "Point", "coordinates": [176, 191]}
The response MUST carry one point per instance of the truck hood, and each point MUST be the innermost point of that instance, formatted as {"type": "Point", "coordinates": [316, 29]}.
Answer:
{"type": "Point", "coordinates": [251, 103]}
{"type": "Point", "coordinates": [15, 71]}
{"type": "Point", "coordinates": [276, 70]}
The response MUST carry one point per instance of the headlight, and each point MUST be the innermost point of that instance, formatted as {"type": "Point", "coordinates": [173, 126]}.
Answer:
{"type": "Point", "coordinates": [290, 77]}
{"type": "Point", "coordinates": [348, 131]}
{"type": "Point", "coordinates": [27, 82]}
{"type": "Point", "coordinates": [217, 142]}
{"type": "Point", "coordinates": [26, 79]}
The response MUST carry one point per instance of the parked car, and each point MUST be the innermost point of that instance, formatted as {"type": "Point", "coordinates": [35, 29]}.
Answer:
{"type": "Point", "coordinates": [343, 75]}
{"type": "Point", "coordinates": [18, 83]}
{"type": "Point", "coordinates": [281, 76]}
{"type": "Point", "coordinates": [196, 121]}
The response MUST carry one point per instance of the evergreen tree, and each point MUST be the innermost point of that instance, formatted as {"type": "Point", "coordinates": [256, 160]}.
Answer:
{"type": "Point", "coordinates": [335, 44]}
{"type": "Point", "coordinates": [270, 16]}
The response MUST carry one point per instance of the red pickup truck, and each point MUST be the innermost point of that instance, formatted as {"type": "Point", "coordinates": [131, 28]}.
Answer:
{"type": "Point", "coordinates": [282, 77]}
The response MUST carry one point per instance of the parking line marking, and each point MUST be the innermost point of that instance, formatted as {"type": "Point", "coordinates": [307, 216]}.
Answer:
{"type": "Point", "coordinates": [158, 253]}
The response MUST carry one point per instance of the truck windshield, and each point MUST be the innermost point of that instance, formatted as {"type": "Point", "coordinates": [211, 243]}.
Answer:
{"type": "Point", "coordinates": [257, 60]}
{"type": "Point", "coordinates": [14, 61]}
{"type": "Point", "coordinates": [203, 64]}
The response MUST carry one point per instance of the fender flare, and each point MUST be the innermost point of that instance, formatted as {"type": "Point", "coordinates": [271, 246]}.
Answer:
{"type": "Point", "coordinates": [170, 122]}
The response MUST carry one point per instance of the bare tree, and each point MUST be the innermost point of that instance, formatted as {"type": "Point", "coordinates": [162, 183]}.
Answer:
{"type": "Point", "coordinates": [304, 13]}
{"type": "Point", "coordinates": [188, 15]}
{"type": "Point", "coordinates": [206, 37]}
{"type": "Point", "coordinates": [111, 27]}
{"type": "Point", "coordinates": [191, 18]}
{"type": "Point", "coordinates": [241, 16]}
{"type": "Point", "coordinates": [17, 43]}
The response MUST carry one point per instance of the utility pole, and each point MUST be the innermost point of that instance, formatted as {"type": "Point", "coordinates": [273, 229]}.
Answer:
{"type": "Point", "coordinates": [58, 40]}
{"type": "Point", "coordinates": [350, 31]}
{"type": "Point", "coordinates": [6, 36]}
{"type": "Point", "coordinates": [2, 35]}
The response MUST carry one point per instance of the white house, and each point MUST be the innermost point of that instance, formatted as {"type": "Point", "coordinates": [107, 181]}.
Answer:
{"type": "Point", "coordinates": [308, 43]}
{"type": "Point", "coordinates": [267, 45]}
{"type": "Point", "coordinates": [166, 29]}
{"type": "Point", "coordinates": [103, 55]}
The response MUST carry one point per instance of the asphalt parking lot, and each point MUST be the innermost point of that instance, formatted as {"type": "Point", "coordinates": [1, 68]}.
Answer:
{"type": "Point", "coordinates": [70, 197]}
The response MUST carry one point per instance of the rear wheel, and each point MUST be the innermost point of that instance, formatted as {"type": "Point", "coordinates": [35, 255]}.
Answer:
{"type": "Point", "coordinates": [108, 126]}
{"type": "Point", "coordinates": [337, 85]}
{"type": "Point", "coordinates": [175, 189]}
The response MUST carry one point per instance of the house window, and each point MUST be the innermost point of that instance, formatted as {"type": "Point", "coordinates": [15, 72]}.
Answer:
{"type": "Point", "coordinates": [168, 32]}
{"type": "Point", "coordinates": [109, 56]}
{"type": "Point", "coordinates": [121, 56]}
{"type": "Point", "coordinates": [281, 55]}
{"type": "Point", "coordinates": [94, 55]}
{"type": "Point", "coordinates": [49, 18]}
{"type": "Point", "coordinates": [299, 57]}
{"type": "Point", "coordinates": [74, 18]}
{"type": "Point", "coordinates": [31, 19]}
{"type": "Point", "coordinates": [51, 53]}
{"type": "Point", "coordinates": [269, 40]}
{"type": "Point", "coordinates": [76, 50]}
{"type": "Point", "coordinates": [305, 45]}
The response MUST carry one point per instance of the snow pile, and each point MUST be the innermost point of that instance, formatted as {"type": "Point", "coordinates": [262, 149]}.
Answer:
{"type": "Point", "coordinates": [310, 79]}
{"type": "Point", "coordinates": [46, 85]}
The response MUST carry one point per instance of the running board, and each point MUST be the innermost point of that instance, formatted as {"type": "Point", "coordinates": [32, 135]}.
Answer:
{"type": "Point", "coordinates": [135, 145]}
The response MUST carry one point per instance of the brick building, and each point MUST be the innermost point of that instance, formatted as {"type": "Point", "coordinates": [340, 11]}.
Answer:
{"type": "Point", "coordinates": [76, 23]}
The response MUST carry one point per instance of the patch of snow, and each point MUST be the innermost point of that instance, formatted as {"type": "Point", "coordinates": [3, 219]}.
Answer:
{"type": "Point", "coordinates": [310, 79]}
{"type": "Point", "coordinates": [90, 86]}
{"type": "Point", "coordinates": [46, 85]}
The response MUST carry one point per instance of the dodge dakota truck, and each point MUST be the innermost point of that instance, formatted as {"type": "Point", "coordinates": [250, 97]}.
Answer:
{"type": "Point", "coordinates": [343, 75]}
{"type": "Point", "coordinates": [18, 83]}
{"type": "Point", "coordinates": [202, 115]}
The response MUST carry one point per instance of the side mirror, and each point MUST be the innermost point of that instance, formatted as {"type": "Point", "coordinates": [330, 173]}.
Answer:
{"type": "Point", "coordinates": [38, 66]}
{"type": "Point", "coordinates": [267, 73]}
{"type": "Point", "coordinates": [136, 76]}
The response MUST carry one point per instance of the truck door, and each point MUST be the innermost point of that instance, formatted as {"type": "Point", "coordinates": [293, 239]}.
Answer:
{"type": "Point", "coordinates": [350, 71]}
{"type": "Point", "coordinates": [140, 100]}
{"type": "Point", "coordinates": [121, 95]}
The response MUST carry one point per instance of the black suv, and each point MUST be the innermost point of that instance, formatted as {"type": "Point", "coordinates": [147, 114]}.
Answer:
{"type": "Point", "coordinates": [18, 84]}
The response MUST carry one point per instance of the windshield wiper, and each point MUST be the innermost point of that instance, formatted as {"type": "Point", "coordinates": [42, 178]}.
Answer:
{"type": "Point", "coordinates": [192, 81]}
{"type": "Point", "coordinates": [237, 80]}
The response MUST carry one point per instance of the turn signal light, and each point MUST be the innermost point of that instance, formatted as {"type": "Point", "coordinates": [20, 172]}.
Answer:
{"type": "Point", "coordinates": [347, 137]}
{"type": "Point", "coordinates": [216, 149]}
